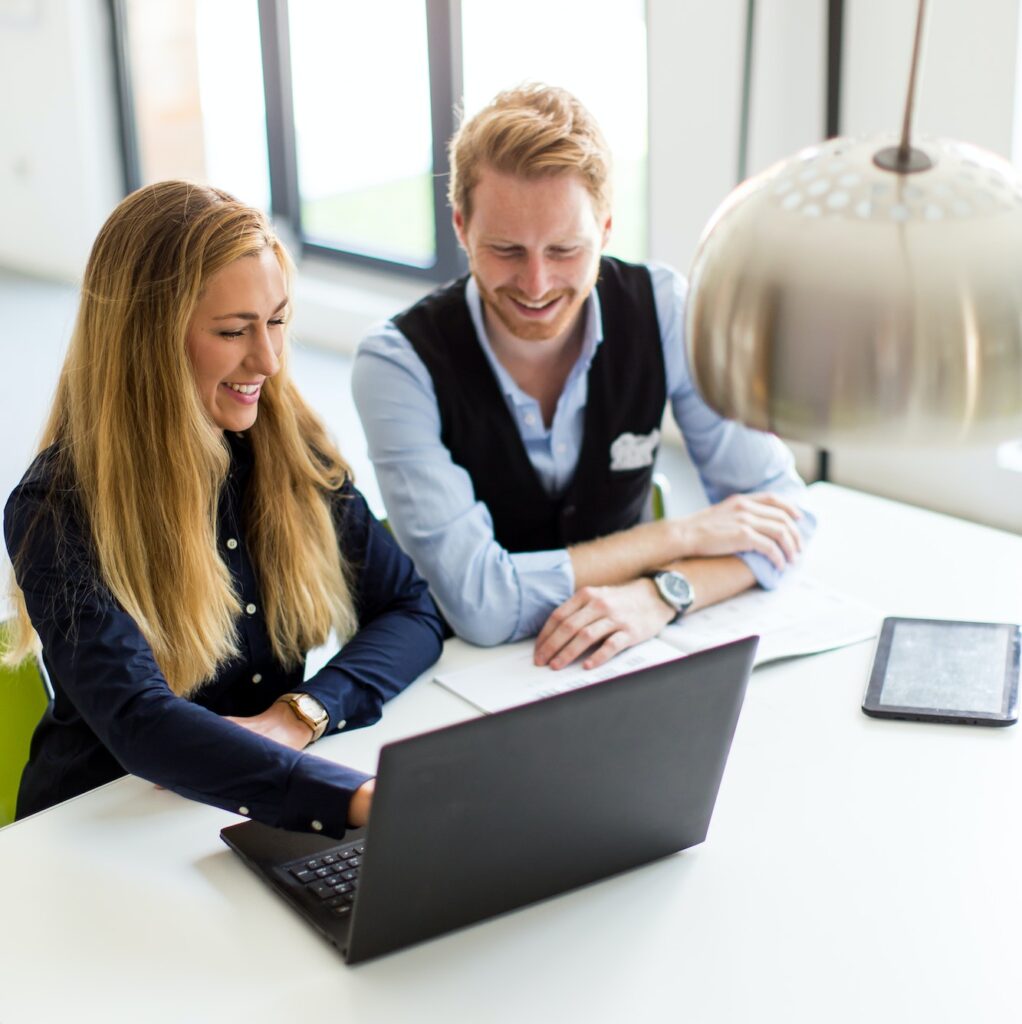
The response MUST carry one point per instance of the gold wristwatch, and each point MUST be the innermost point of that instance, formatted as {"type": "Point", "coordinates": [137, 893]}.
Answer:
{"type": "Point", "coordinates": [309, 710]}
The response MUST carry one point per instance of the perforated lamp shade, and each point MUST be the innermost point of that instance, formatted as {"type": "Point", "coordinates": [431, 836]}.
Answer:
{"type": "Point", "coordinates": [833, 300]}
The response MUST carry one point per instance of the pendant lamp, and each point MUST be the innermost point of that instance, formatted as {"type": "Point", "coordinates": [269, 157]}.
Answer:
{"type": "Point", "coordinates": [866, 291]}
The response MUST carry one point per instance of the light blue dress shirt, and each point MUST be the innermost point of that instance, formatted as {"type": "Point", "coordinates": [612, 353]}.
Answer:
{"type": "Point", "coordinates": [489, 595]}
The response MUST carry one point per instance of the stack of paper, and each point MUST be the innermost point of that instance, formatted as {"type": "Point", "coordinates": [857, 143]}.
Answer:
{"type": "Point", "coordinates": [800, 617]}
{"type": "Point", "coordinates": [511, 678]}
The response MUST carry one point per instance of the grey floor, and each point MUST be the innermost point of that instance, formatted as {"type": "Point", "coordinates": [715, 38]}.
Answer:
{"type": "Point", "coordinates": [37, 323]}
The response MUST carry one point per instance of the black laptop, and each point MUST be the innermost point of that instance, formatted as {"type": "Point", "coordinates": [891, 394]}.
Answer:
{"type": "Point", "coordinates": [491, 814]}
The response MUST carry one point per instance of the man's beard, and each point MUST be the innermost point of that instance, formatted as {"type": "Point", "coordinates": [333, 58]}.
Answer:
{"type": "Point", "coordinates": [536, 330]}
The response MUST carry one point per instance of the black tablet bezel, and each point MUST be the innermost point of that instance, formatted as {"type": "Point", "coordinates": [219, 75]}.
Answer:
{"type": "Point", "coordinates": [1009, 688]}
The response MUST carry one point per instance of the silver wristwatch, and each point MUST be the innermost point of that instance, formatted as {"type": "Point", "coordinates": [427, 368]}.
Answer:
{"type": "Point", "coordinates": [675, 589]}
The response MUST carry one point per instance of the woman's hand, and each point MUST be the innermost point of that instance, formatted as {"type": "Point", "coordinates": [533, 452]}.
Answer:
{"type": "Point", "coordinates": [361, 802]}
{"type": "Point", "coordinates": [278, 722]}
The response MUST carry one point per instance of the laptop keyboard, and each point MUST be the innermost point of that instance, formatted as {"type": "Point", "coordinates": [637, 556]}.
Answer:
{"type": "Point", "coordinates": [331, 876]}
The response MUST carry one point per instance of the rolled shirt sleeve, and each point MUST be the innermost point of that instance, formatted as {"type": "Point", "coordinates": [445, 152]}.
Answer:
{"type": "Point", "coordinates": [488, 595]}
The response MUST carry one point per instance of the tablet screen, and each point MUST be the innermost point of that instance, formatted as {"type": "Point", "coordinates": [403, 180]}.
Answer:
{"type": "Point", "coordinates": [956, 666]}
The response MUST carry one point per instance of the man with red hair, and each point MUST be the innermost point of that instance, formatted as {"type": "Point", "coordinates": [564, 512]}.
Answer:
{"type": "Point", "coordinates": [513, 417]}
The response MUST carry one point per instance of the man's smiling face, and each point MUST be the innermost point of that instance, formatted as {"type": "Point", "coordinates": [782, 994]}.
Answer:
{"type": "Point", "coordinates": [534, 246]}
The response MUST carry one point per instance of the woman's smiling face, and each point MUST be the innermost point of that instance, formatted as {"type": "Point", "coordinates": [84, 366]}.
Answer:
{"type": "Point", "coordinates": [236, 337]}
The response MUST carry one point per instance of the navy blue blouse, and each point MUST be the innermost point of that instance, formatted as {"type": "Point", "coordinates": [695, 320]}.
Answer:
{"type": "Point", "coordinates": [115, 713]}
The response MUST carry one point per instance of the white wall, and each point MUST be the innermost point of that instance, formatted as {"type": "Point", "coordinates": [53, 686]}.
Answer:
{"type": "Point", "coordinates": [696, 51]}
{"type": "Point", "coordinates": [967, 81]}
{"type": "Point", "coordinates": [59, 168]}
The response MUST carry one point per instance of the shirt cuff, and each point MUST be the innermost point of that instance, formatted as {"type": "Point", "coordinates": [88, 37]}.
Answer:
{"type": "Point", "coordinates": [766, 573]}
{"type": "Point", "coordinates": [348, 705]}
{"type": "Point", "coordinates": [318, 795]}
{"type": "Point", "coordinates": [546, 580]}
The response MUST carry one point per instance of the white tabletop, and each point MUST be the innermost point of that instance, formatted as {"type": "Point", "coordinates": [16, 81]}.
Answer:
{"type": "Point", "coordinates": [856, 869]}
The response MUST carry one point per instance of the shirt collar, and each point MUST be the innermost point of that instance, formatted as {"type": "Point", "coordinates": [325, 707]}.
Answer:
{"type": "Point", "coordinates": [592, 337]}
{"type": "Point", "coordinates": [242, 457]}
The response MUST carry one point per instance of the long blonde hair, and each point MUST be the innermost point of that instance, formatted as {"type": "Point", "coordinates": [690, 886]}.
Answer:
{"type": "Point", "coordinates": [148, 464]}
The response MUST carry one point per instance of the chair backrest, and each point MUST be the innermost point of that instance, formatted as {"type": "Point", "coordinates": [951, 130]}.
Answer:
{"type": "Point", "coordinates": [659, 495]}
{"type": "Point", "coordinates": [23, 699]}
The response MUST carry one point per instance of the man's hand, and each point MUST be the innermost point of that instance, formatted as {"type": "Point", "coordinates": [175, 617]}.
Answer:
{"type": "Point", "coordinates": [744, 522]}
{"type": "Point", "coordinates": [614, 618]}
{"type": "Point", "coordinates": [278, 722]}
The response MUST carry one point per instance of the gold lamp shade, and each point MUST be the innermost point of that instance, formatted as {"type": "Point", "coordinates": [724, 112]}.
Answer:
{"type": "Point", "coordinates": [834, 300]}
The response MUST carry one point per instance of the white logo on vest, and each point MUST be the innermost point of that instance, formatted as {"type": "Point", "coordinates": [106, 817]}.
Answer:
{"type": "Point", "coordinates": [634, 451]}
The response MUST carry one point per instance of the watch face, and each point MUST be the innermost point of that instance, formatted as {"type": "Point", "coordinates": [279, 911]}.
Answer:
{"type": "Point", "coordinates": [310, 706]}
{"type": "Point", "coordinates": [676, 589]}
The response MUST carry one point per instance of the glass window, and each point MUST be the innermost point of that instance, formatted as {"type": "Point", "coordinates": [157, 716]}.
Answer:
{"type": "Point", "coordinates": [197, 91]}
{"type": "Point", "coordinates": [360, 79]}
{"type": "Point", "coordinates": [596, 49]}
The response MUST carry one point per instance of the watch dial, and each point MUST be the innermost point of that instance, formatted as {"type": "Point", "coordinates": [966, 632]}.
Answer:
{"type": "Point", "coordinates": [678, 587]}
{"type": "Point", "coordinates": [310, 707]}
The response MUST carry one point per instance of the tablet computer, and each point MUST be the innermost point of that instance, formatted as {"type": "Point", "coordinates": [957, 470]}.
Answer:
{"type": "Point", "coordinates": [945, 671]}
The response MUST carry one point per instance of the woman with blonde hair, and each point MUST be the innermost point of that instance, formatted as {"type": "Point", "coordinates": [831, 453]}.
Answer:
{"type": "Point", "coordinates": [188, 532]}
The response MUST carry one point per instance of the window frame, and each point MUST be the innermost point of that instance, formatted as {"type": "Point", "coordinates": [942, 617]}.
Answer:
{"type": "Point", "coordinates": [443, 38]}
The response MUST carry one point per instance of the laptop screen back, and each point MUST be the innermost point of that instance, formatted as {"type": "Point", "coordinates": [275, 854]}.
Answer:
{"type": "Point", "coordinates": [491, 814]}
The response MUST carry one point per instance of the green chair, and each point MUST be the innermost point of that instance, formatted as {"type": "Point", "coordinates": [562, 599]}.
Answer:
{"type": "Point", "coordinates": [659, 494]}
{"type": "Point", "coordinates": [24, 696]}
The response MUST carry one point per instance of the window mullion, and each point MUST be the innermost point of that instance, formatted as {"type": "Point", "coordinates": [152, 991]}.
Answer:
{"type": "Point", "coordinates": [275, 41]}
{"type": "Point", "coordinates": [443, 30]}
{"type": "Point", "coordinates": [131, 164]}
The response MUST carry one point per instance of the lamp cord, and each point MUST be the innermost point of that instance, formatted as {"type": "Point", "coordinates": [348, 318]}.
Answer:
{"type": "Point", "coordinates": [745, 111]}
{"type": "Point", "coordinates": [905, 148]}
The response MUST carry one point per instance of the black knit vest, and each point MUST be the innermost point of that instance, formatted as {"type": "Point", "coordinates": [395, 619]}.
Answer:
{"type": "Point", "coordinates": [626, 395]}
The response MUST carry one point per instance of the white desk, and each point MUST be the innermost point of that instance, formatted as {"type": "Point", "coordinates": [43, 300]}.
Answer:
{"type": "Point", "coordinates": [856, 870]}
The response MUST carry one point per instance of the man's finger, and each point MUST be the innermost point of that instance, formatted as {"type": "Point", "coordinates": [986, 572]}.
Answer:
{"type": "Point", "coordinates": [779, 532]}
{"type": "Point", "coordinates": [558, 616]}
{"type": "Point", "coordinates": [782, 523]}
{"type": "Point", "coordinates": [562, 633]}
{"type": "Point", "coordinates": [584, 638]}
{"type": "Point", "coordinates": [768, 547]}
{"type": "Point", "coordinates": [613, 645]}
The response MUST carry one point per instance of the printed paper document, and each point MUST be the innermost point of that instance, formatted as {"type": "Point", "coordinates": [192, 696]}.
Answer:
{"type": "Point", "coordinates": [801, 616]}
